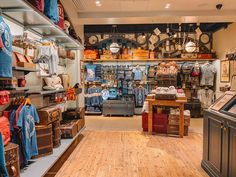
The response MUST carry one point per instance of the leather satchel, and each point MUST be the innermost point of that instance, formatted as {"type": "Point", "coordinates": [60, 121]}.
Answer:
{"type": "Point", "coordinates": [5, 130]}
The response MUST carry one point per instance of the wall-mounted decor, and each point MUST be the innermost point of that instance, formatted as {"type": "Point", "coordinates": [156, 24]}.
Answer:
{"type": "Point", "coordinates": [225, 71]}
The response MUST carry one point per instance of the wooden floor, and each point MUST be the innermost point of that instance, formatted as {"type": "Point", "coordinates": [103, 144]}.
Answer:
{"type": "Point", "coordinates": [134, 154]}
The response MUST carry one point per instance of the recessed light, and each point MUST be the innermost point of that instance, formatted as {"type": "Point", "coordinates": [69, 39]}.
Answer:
{"type": "Point", "coordinates": [98, 3]}
{"type": "Point", "coordinates": [167, 6]}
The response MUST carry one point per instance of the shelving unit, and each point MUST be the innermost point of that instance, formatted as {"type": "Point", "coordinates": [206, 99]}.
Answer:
{"type": "Point", "coordinates": [24, 14]}
{"type": "Point", "coordinates": [25, 70]}
{"type": "Point", "coordinates": [147, 60]}
{"type": "Point", "coordinates": [48, 92]}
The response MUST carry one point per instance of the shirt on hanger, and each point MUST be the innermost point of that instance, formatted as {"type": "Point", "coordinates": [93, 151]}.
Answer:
{"type": "Point", "coordinates": [140, 94]}
{"type": "Point", "coordinates": [27, 118]}
{"type": "Point", "coordinates": [91, 76]}
{"type": "Point", "coordinates": [206, 97]}
{"type": "Point", "coordinates": [5, 50]}
{"type": "Point", "coordinates": [105, 94]}
{"type": "Point", "coordinates": [208, 72]}
{"type": "Point", "coordinates": [138, 73]}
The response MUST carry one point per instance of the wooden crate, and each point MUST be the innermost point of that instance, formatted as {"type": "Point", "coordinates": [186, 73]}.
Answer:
{"type": "Point", "coordinates": [174, 130]}
{"type": "Point", "coordinates": [44, 140]}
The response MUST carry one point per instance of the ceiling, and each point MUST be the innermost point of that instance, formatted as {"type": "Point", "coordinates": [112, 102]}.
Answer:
{"type": "Point", "coordinates": [151, 5]}
{"type": "Point", "coordinates": [140, 28]}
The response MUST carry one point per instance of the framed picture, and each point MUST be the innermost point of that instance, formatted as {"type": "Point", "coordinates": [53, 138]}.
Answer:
{"type": "Point", "coordinates": [225, 71]}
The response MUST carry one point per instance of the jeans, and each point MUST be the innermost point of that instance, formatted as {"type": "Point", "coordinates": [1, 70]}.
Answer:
{"type": "Point", "coordinates": [3, 169]}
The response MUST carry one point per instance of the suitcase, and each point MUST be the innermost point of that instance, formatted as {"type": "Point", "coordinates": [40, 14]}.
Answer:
{"type": "Point", "coordinates": [174, 120]}
{"type": "Point", "coordinates": [71, 114]}
{"type": "Point", "coordinates": [69, 129]}
{"type": "Point", "coordinates": [118, 107]}
{"type": "Point", "coordinates": [174, 130]}
{"type": "Point", "coordinates": [145, 121]}
{"type": "Point", "coordinates": [56, 134]}
{"type": "Point", "coordinates": [160, 123]}
{"type": "Point", "coordinates": [12, 160]}
{"type": "Point", "coordinates": [194, 105]}
{"type": "Point", "coordinates": [44, 140]}
{"type": "Point", "coordinates": [49, 115]}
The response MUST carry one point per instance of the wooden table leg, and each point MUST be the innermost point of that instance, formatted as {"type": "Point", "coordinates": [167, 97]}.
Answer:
{"type": "Point", "coordinates": [181, 121]}
{"type": "Point", "coordinates": [150, 114]}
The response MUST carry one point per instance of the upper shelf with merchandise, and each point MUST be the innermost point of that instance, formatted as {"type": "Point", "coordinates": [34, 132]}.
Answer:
{"type": "Point", "coordinates": [147, 60]}
{"type": "Point", "coordinates": [25, 15]}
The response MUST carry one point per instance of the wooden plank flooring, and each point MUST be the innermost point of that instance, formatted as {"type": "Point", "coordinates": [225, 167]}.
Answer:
{"type": "Point", "coordinates": [134, 154]}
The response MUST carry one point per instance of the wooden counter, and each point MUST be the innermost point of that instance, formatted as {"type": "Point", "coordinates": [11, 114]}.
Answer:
{"type": "Point", "coordinates": [170, 103]}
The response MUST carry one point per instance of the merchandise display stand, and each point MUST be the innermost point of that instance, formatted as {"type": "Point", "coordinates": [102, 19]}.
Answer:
{"type": "Point", "coordinates": [170, 103]}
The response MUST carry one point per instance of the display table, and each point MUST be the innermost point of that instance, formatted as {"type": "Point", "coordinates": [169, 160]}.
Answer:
{"type": "Point", "coordinates": [171, 103]}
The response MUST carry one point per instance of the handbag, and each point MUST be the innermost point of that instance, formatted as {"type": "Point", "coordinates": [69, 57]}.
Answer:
{"type": "Point", "coordinates": [4, 97]}
{"type": "Point", "coordinates": [5, 130]}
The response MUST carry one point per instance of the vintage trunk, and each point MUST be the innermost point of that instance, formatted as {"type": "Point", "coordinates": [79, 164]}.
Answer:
{"type": "Point", "coordinates": [71, 114]}
{"type": "Point", "coordinates": [12, 160]}
{"type": "Point", "coordinates": [56, 131]}
{"type": "Point", "coordinates": [49, 115]}
{"type": "Point", "coordinates": [174, 130]}
{"type": "Point", "coordinates": [44, 140]}
{"type": "Point", "coordinates": [69, 129]}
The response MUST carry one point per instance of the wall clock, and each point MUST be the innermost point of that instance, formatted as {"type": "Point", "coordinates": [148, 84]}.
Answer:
{"type": "Point", "coordinates": [141, 39]}
{"type": "Point", "coordinates": [204, 38]}
{"type": "Point", "coordinates": [93, 40]}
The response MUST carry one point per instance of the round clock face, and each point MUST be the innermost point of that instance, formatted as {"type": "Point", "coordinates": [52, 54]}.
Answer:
{"type": "Point", "coordinates": [204, 38]}
{"type": "Point", "coordinates": [141, 39]}
{"type": "Point", "coordinates": [190, 47]}
{"type": "Point", "coordinates": [93, 40]}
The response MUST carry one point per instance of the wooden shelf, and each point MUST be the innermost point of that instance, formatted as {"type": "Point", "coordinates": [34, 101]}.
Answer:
{"type": "Point", "coordinates": [42, 92]}
{"type": "Point", "coordinates": [147, 60]}
{"type": "Point", "coordinates": [17, 68]}
{"type": "Point", "coordinates": [22, 13]}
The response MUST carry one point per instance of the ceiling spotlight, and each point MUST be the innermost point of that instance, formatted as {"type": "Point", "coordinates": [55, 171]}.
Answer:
{"type": "Point", "coordinates": [167, 6]}
{"type": "Point", "coordinates": [98, 3]}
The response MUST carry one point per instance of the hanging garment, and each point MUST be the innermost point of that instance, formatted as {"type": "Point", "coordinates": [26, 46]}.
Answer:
{"type": "Point", "coordinates": [27, 118]}
{"type": "Point", "coordinates": [3, 169]}
{"type": "Point", "coordinates": [91, 76]}
{"type": "Point", "coordinates": [138, 73]}
{"type": "Point", "coordinates": [61, 16]}
{"type": "Point", "coordinates": [140, 94]}
{"type": "Point", "coordinates": [48, 55]}
{"type": "Point", "coordinates": [39, 4]}
{"type": "Point", "coordinates": [208, 72]}
{"type": "Point", "coordinates": [105, 94]}
{"type": "Point", "coordinates": [5, 129]}
{"type": "Point", "coordinates": [206, 97]}
{"type": "Point", "coordinates": [5, 50]}
{"type": "Point", "coordinates": [51, 10]}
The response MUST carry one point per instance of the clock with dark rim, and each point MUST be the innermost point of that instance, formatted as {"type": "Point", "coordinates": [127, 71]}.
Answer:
{"type": "Point", "coordinates": [205, 38]}
{"type": "Point", "coordinates": [92, 40]}
{"type": "Point", "coordinates": [141, 39]}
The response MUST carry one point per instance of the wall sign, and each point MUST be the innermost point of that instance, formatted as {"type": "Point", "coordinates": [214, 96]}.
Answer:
{"type": "Point", "coordinates": [225, 71]}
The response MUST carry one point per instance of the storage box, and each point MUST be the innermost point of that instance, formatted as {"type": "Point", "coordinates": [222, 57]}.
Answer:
{"type": "Point", "coordinates": [174, 130]}
{"type": "Point", "coordinates": [56, 134]}
{"type": "Point", "coordinates": [174, 120]}
{"type": "Point", "coordinates": [44, 140]}
{"type": "Point", "coordinates": [69, 129]}
{"type": "Point", "coordinates": [12, 160]}
{"type": "Point", "coordinates": [160, 123]}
